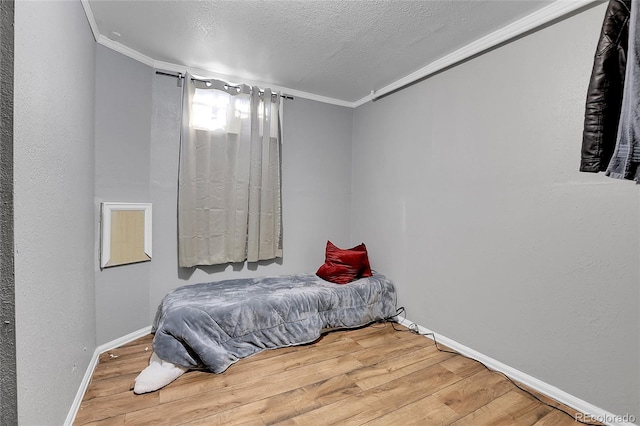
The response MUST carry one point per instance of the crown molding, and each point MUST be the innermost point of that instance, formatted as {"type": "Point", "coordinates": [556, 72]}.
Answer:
{"type": "Point", "coordinates": [126, 51]}
{"type": "Point", "coordinates": [91, 19]}
{"type": "Point", "coordinates": [555, 11]}
{"type": "Point", "coordinates": [547, 15]}
{"type": "Point", "coordinates": [168, 66]}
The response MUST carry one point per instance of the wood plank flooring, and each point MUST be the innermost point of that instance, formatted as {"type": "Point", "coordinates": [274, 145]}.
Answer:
{"type": "Point", "coordinates": [373, 375]}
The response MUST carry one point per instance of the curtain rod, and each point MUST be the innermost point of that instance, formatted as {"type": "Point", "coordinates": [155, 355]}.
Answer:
{"type": "Point", "coordinates": [180, 77]}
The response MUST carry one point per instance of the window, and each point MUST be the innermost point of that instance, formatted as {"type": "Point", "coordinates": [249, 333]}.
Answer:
{"type": "Point", "coordinates": [229, 202]}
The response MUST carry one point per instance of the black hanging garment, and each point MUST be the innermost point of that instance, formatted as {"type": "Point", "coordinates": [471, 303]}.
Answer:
{"type": "Point", "coordinates": [604, 96]}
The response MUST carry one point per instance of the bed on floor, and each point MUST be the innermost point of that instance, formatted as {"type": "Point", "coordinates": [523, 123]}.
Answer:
{"type": "Point", "coordinates": [210, 326]}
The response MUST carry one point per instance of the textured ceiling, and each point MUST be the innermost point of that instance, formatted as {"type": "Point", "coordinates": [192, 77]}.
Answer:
{"type": "Point", "coordinates": [338, 49]}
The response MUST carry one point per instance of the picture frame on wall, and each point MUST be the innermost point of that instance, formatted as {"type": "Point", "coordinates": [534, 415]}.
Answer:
{"type": "Point", "coordinates": [125, 233]}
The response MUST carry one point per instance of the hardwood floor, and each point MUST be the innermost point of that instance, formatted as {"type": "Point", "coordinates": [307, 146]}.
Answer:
{"type": "Point", "coordinates": [373, 375]}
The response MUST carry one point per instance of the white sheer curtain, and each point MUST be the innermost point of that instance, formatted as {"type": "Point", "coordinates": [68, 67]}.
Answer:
{"type": "Point", "coordinates": [229, 202]}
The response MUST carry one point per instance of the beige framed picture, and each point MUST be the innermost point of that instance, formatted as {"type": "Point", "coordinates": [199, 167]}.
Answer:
{"type": "Point", "coordinates": [125, 233]}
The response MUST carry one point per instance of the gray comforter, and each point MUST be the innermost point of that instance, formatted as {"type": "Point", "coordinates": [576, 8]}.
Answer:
{"type": "Point", "coordinates": [212, 325]}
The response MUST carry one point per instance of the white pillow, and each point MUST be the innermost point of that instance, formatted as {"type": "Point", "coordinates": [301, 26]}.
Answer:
{"type": "Point", "coordinates": [157, 375]}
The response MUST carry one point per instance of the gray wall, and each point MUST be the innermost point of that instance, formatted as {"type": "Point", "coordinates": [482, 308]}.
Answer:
{"type": "Point", "coordinates": [138, 161]}
{"type": "Point", "coordinates": [122, 158]}
{"type": "Point", "coordinates": [54, 214]}
{"type": "Point", "coordinates": [466, 191]}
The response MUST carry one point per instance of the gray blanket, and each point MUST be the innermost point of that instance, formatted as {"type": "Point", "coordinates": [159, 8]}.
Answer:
{"type": "Point", "coordinates": [212, 325]}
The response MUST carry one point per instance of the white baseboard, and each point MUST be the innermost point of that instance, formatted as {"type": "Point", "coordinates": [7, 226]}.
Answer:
{"type": "Point", "coordinates": [559, 395]}
{"type": "Point", "coordinates": [544, 388]}
{"type": "Point", "coordinates": [92, 366]}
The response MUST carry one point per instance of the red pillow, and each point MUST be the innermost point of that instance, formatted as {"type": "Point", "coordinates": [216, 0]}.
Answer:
{"type": "Point", "coordinates": [343, 266]}
{"type": "Point", "coordinates": [343, 271]}
{"type": "Point", "coordinates": [366, 267]}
